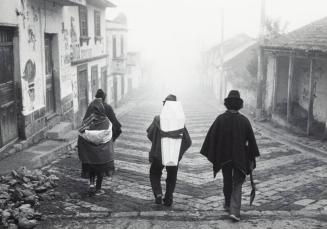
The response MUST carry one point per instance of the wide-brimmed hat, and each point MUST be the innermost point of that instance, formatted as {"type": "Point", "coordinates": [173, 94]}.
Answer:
{"type": "Point", "coordinates": [170, 97]}
{"type": "Point", "coordinates": [234, 95]}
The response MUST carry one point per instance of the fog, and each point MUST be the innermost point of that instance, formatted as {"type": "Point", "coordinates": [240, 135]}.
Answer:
{"type": "Point", "coordinates": [171, 34]}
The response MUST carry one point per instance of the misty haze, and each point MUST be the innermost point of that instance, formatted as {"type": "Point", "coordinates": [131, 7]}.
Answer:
{"type": "Point", "coordinates": [163, 114]}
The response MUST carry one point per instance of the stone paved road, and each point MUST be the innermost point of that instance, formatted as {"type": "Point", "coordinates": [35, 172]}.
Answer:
{"type": "Point", "coordinates": [288, 179]}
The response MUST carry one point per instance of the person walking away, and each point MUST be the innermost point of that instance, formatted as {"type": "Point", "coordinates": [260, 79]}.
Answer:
{"type": "Point", "coordinates": [116, 126]}
{"type": "Point", "coordinates": [95, 146]}
{"type": "Point", "coordinates": [154, 134]}
{"type": "Point", "coordinates": [230, 145]}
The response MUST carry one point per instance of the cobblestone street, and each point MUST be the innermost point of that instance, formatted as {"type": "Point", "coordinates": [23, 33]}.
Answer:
{"type": "Point", "coordinates": [291, 183]}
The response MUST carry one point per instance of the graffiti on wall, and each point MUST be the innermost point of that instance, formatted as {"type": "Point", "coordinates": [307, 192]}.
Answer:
{"type": "Point", "coordinates": [32, 19]}
{"type": "Point", "coordinates": [35, 16]}
{"type": "Point", "coordinates": [65, 58]}
{"type": "Point", "coordinates": [29, 76]}
{"type": "Point", "coordinates": [74, 47]}
{"type": "Point", "coordinates": [31, 37]}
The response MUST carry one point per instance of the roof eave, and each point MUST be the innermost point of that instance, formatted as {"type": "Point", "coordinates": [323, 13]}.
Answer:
{"type": "Point", "coordinates": [101, 3]}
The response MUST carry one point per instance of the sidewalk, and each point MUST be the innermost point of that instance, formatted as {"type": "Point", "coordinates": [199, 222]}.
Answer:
{"type": "Point", "coordinates": [46, 151]}
{"type": "Point", "coordinates": [190, 219]}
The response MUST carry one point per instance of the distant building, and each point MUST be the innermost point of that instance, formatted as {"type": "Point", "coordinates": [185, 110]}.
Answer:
{"type": "Point", "coordinates": [51, 58]}
{"type": "Point", "coordinates": [238, 52]}
{"type": "Point", "coordinates": [295, 91]}
{"type": "Point", "coordinates": [116, 36]}
{"type": "Point", "coordinates": [85, 31]}
{"type": "Point", "coordinates": [134, 70]}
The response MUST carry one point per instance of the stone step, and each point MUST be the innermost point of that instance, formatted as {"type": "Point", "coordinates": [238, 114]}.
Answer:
{"type": "Point", "coordinates": [59, 130]}
{"type": "Point", "coordinates": [36, 156]}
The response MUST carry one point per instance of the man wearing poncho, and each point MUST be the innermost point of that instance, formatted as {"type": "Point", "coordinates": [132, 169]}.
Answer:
{"type": "Point", "coordinates": [95, 145]}
{"type": "Point", "coordinates": [155, 134]}
{"type": "Point", "coordinates": [230, 145]}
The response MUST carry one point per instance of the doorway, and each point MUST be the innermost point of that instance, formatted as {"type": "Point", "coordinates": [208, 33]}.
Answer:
{"type": "Point", "coordinates": [82, 85]}
{"type": "Point", "coordinates": [8, 103]}
{"type": "Point", "coordinates": [50, 88]}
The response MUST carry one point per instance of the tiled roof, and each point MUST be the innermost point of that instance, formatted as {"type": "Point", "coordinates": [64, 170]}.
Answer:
{"type": "Point", "coordinates": [232, 43]}
{"type": "Point", "coordinates": [231, 48]}
{"type": "Point", "coordinates": [312, 37]}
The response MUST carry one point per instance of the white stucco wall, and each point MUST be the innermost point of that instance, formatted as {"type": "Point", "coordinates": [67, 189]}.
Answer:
{"type": "Point", "coordinates": [40, 17]}
{"type": "Point", "coordinates": [320, 91]}
{"type": "Point", "coordinates": [269, 84]}
{"type": "Point", "coordinates": [8, 16]}
{"type": "Point", "coordinates": [79, 52]}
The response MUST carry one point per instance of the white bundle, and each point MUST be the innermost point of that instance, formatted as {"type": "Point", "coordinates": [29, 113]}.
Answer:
{"type": "Point", "coordinates": [98, 136]}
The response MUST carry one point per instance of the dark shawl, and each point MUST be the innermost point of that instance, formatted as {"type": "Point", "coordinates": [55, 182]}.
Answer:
{"type": "Point", "coordinates": [88, 152]}
{"type": "Point", "coordinates": [116, 126]}
{"type": "Point", "coordinates": [230, 139]}
{"type": "Point", "coordinates": [154, 134]}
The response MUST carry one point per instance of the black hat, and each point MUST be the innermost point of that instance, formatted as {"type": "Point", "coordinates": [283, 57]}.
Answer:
{"type": "Point", "coordinates": [100, 94]}
{"type": "Point", "coordinates": [170, 97]}
{"type": "Point", "coordinates": [233, 94]}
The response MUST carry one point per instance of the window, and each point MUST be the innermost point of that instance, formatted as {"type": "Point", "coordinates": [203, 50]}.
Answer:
{"type": "Point", "coordinates": [114, 47]}
{"type": "Point", "coordinates": [122, 45]}
{"type": "Point", "coordinates": [83, 24]}
{"type": "Point", "coordinates": [97, 25]}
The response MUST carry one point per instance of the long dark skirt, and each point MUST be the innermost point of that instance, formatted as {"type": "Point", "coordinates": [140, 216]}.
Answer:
{"type": "Point", "coordinates": [106, 169]}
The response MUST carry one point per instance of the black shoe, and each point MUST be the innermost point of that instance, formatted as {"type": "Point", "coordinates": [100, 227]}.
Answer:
{"type": "Point", "coordinates": [226, 207]}
{"type": "Point", "coordinates": [168, 202]}
{"type": "Point", "coordinates": [158, 199]}
{"type": "Point", "coordinates": [99, 192]}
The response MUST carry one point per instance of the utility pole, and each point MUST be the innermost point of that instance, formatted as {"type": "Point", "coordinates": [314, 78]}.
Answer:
{"type": "Point", "coordinates": [260, 95]}
{"type": "Point", "coordinates": [222, 79]}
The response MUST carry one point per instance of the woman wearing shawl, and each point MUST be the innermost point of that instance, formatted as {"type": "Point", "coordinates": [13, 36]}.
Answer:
{"type": "Point", "coordinates": [95, 146]}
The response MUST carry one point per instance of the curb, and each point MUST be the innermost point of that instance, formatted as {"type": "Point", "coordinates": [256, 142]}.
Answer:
{"type": "Point", "coordinates": [300, 146]}
{"type": "Point", "coordinates": [219, 214]}
{"type": "Point", "coordinates": [48, 158]}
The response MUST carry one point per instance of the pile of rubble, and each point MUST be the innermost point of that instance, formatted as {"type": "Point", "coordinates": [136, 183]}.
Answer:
{"type": "Point", "coordinates": [20, 193]}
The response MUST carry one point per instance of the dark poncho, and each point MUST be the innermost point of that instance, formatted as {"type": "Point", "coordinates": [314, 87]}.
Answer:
{"type": "Point", "coordinates": [154, 134]}
{"type": "Point", "coordinates": [230, 139]}
{"type": "Point", "coordinates": [88, 152]}
{"type": "Point", "coordinates": [116, 126]}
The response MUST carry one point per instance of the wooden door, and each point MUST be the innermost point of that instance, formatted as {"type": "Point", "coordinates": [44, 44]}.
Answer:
{"type": "Point", "coordinates": [82, 92]}
{"type": "Point", "coordinates": [50, 93]}
{"type": "Point", "coordinates": [8, 112]}
{"type": "Point", "coordinates": [94, 80]}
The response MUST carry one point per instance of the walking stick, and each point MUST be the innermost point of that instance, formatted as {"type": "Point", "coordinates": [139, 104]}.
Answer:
{"type": "Point", "coordinates": [252, 195]}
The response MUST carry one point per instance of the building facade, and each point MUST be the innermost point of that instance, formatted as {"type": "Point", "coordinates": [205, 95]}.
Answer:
{"type": "Point", "coordinates": [230, 71]}
{"type": "Point", "coordinates": [134, 72]}
{"type": "Point", "coordinates": [295, 91]}
{"type": "Point", "coordinates": [52, 57]}
{"type": "Point", "coordinates": [116, 84]}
